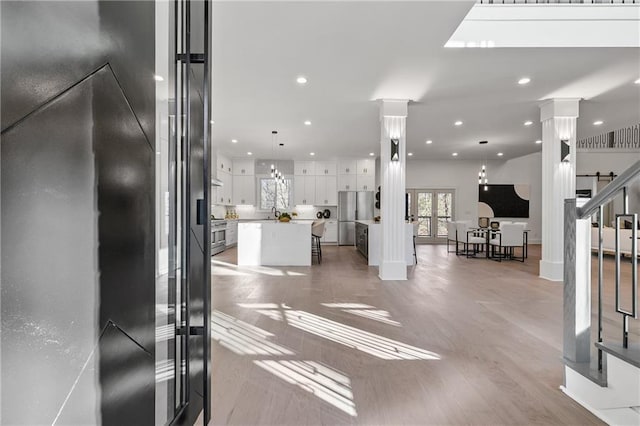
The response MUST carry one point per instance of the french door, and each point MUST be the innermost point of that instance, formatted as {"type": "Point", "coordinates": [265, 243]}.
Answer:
{"type": "Point", "coordinates": [431, 208]}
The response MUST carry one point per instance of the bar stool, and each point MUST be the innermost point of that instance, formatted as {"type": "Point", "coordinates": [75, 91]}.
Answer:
{"type": "Point", "coordinates": [317, 232]}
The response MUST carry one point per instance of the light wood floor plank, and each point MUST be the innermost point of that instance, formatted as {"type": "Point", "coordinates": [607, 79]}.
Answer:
{"type": "Point", "coordinates": [496, 327]}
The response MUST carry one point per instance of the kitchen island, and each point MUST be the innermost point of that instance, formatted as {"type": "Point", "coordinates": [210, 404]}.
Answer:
{"type": "Point", "coordinates": [369, 241]}
{"type": "Point", "coordinates": [274, 243]}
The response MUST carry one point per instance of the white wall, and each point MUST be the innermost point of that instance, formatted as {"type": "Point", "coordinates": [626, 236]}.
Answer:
{"type": "Point", "coordinates": [462, 176]}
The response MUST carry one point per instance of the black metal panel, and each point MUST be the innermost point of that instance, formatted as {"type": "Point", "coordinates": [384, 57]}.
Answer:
{"type": "Point", "coordinates": [126, 391]}
{"type": "Point", "coordinates": [128, 29]}
{"type": "Point", "coordinates": [50, 278]}
{"type": "Point", "coordinates": [78, 211]}
{"type": "Point", "coordinates": [125, 185]}
{"type": "Point", "coordinates": [48, 46]}
{"type": "Point", "coordinates": [196, 128]}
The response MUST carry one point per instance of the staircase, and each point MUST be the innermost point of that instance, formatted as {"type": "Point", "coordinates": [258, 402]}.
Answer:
{"type": "Point", "coordinates": [609, 384]}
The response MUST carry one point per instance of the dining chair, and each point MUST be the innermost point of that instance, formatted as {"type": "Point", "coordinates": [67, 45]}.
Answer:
{"type": "Point", "coordinates": [483, 222]}
{"type": "Point", "coordinates": [471, 238]}
{"type": "Point", "coordinates": [510, 237]}
{"type": "Point", "coordinates": [525, 235]}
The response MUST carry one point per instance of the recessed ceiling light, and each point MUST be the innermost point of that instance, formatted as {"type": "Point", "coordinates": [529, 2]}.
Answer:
{"type": "Point", "coordinates": [409, 154]}
{"type": "Point", "coordinates": [458, 123]}
{"type": "Point", "coordinates": [372, 154]}
{"type": "Point", "coordinates": [598, 122]}
{"type": "Point", "coordinates": [158, 78]}
{"type": "Point", "coordinates": [524, 80]}
{"type": "Point", "coordinates": [500, 154]}
{"type": "Point", "coordinates": [234, 140]}
{"type": "Point", "coordinates": [637, 81]}
{"type": "Point", "coordinates": [312, 153]}
{"type": "Point", "coordinates": [429, 142]}
{"type": "Point", "coordinates": [455, 154]}
{"type": "Point", "coordinates": [249, 153]}
{"type": "Point", "coordinates": [301, 80]}
{"type": "Point", "coordinates": [538, 141]}
{"type": "Point", "coordinates": [528, 123]}
{"type": "Point", "coordinates": [307, 123]}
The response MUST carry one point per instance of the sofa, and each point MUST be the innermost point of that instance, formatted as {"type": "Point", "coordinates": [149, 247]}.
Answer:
{"type": "Point", "coordinates": [609, 240]}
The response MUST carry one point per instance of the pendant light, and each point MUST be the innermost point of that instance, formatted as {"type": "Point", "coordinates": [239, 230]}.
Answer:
{"type": "Point", "coordinates": [482, 174]}
{"type": "Point", "coordinates": [275, 173]}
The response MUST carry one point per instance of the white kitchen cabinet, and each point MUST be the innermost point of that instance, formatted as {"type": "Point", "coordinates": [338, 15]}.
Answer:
{"type": "Point", "coordinates": [224, 164]}
{"type": "Point", "coordinates": [347, 167]}
{"type": "Point", "coordinates": [304, 168]}
{"type": "Point", "coordinates": [330, 232]}
{"type": "Point", "coordinates": [326, 191]}
{"type": "Point", "coordinates": [366, 167]}
{"type": "Point", "coordinates": [347, 182]}
{"type": "Point", "coordinates": [244, 167]}
{"type": "Point", "coordinates": [325, 168]}
{"type": "Point", "coordinates": [231, 234]}
{"type": "Point", "coordinates": [225, 192]}
{"type": "Point", "coordinates": [304, 190]}
{"type": "Point", "coordinates": [244, 189]}
{"type": "Point", "coordinates": [366, 183]}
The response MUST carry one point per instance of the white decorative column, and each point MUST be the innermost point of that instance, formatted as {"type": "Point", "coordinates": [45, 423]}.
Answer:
{"type": "Point", "coordinates": [393, 119]}
{"type": "Point", "coordinates": [558, 117]}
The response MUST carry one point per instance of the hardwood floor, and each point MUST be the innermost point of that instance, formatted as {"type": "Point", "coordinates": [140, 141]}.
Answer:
{"type": "Point", "coordinates": [463, 341]}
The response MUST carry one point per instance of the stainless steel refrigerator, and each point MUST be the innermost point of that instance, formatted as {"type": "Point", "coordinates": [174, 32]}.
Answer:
{"type": "Point", "coordinates": [352, 206]}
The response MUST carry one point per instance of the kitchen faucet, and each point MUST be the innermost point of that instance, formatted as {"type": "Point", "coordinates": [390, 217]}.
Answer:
{"type": "Point", "coordinates": [275, 212]}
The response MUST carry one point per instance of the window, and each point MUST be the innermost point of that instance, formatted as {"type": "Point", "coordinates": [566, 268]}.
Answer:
{"type": "Point", "coordinates": [275, 193]}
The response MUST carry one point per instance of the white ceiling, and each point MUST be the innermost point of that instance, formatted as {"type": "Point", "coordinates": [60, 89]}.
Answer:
{"type": "Point", "coordinates": [356, 52]}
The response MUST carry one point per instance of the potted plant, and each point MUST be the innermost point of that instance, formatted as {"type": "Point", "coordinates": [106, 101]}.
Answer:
{"type": "Point", "coordinates": [284, 217]}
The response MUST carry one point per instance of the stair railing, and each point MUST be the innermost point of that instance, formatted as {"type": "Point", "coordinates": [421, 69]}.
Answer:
{"type": "Point", "coordinates": [577, 267]}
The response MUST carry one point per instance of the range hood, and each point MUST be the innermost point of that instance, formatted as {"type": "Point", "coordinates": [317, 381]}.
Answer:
{"type": "Point", "coordinates": [216, 182]}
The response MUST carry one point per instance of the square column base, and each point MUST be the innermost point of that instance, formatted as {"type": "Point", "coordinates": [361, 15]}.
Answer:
{"type": "Point", "coordinates": [552, 271]}
{"type": "Point", "coordinates": [393, 271]}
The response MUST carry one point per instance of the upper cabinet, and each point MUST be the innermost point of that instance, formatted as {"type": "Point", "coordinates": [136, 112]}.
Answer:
{"type": "Point", "coordinates": [304, 168]}
{"type": "Point", "coordinates": [325, 168]}
{"type": "Point", "coordinates": [366, 167]}
{"type": "Point", "coordinates": [366, 183]}
{"type": "Point", "coordinates": [244, 167]}
{"type": "Point", "coordinates": [347, 167]}
{"type": "Point", "coordinates": [223, 194]}
{"type": "Point", "coordinates": [244, 189]}
{"type": "Point", "coordinates": [224, 164]}
{"type": "Point", "coordinates": [304, 190]}
{"type": "Point", "coordinates": [326, 191]}
{"type": "Point", "coordinates": [347, 183]}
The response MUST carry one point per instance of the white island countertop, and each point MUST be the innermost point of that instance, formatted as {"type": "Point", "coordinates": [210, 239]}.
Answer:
{"type": "Point", "coordinates": [274, 243]}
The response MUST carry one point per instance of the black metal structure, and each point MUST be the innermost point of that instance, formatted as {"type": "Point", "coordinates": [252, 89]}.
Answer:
{"type": "Point", "coordinates": [77, 193]}
{"type": "Point", "coordinates": [77, 188]}
{"type": "Point", "coordinates": [192, 83]}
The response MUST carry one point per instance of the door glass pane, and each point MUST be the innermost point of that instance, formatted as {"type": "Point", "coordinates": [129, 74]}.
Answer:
{"type": "Point", "coordinates": [425, 203]}
{"type": "Point", "coordinates": [445, 206]}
